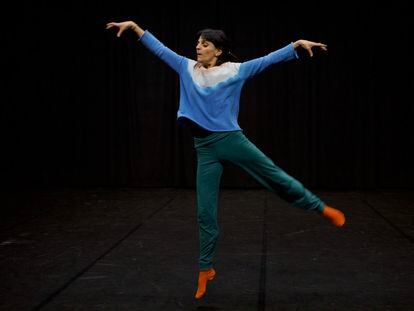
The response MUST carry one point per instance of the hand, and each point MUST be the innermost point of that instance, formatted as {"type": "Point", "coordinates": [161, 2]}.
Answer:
{"type": "Point", "coordinates": [308, 45]}
{"type": "Point", "coordinates": [122, 26]}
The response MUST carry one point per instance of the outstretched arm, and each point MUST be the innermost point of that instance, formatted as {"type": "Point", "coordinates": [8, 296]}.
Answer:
{"type": "Point", "coordinates": [256, 66]}
{"type": "Point", "coordinates": [308, 45]}
{"type": "Point", "coordinates": [174, 60]}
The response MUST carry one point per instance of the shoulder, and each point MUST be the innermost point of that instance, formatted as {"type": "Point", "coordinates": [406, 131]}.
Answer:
{"type": "Point", "coordinates": [230, 66]}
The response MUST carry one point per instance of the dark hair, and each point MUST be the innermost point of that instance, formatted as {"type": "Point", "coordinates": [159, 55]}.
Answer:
{"type": "Point", "coordinates": [220, 41]}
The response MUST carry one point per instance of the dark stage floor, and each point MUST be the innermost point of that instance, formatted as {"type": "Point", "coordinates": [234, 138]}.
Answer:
{"type": "Point", "coordinates": [137, 249]}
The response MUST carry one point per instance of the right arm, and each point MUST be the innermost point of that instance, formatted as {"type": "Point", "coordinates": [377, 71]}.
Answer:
{"type": "Point", "coordinates": [174, 60]}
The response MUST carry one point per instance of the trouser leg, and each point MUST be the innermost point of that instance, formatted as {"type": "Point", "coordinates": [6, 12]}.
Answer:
{"type": "Point", "coordinates": [239, 150]}
{"type": "Point", "coordinates": [209, 171]}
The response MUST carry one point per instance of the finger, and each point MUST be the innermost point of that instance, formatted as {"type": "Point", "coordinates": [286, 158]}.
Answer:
{"type": "Point", "coordinates": [110, 25]}
{"type": "Point", "coordinates": [310, 52]}
{"type": "Point", "coordinates": [323, 47]}
{"type": "Point", "coordinates": [119, 32]}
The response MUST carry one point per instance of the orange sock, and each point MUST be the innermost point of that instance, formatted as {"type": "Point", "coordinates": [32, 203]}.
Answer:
{"type": "Point", "coordinates": [336, 217]}
{"type": "Point", "coordinates": [203, 277]}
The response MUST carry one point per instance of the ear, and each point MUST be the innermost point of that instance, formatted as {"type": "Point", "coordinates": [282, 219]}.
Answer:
{"type": "Point", "coordinates": [218, 52]}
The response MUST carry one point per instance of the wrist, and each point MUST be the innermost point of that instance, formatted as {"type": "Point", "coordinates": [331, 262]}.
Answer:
{"type": "Point", "coordinates": [133, 26]}
{"type": "Point", "coordinates": [138, 30]}
{"type": "Point", "coordinates": [296, 44]}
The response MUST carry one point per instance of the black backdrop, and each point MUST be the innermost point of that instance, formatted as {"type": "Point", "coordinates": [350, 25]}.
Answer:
{"type": "Point", "coordinates": [80, 107]}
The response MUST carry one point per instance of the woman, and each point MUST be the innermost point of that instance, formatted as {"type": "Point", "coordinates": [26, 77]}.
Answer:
{"type": "Point", "coordinates": [209, 104]}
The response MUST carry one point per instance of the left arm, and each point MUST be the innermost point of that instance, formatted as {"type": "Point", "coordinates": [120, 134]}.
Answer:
{"type": "Point", "coordinates": [256, 66]}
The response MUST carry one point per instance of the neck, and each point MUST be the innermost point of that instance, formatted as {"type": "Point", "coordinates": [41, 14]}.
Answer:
{"type": "Point", "coordinates": [210, 64]}
{"type": "Point", "coordinates": [207, 65]}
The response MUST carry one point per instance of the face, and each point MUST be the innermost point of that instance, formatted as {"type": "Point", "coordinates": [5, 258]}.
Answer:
{"type": "Point", "coordinates": [207, 53]}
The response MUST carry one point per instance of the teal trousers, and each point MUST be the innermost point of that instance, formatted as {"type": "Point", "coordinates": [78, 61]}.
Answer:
{"type": "Point", "coordinates": [236, 148]}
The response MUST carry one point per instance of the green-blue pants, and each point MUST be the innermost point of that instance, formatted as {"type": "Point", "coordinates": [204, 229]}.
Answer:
{"type": "Point", "coordinates": [236, 148]}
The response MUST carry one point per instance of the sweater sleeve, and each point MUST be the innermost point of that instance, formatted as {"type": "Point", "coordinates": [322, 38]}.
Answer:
{"type": "Point", "coordinates": [255, 66]}
{"type": "Point", "coordinates": [171, 58]}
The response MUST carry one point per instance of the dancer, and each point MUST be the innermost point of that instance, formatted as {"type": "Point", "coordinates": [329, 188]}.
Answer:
{"type": "Point", "coordinates": [210, 89]}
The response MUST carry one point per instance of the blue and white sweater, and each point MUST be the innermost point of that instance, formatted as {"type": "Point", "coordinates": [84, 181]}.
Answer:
{"type": "Point", "coordinates": [210, 96]}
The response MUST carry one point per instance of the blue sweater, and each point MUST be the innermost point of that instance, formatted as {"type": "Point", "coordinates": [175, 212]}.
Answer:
{"type": "Point", "coordinates": [210, 97]}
